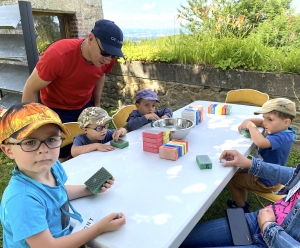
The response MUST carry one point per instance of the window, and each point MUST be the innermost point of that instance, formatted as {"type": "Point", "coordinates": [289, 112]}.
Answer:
{"type": "Point", "coordinates": [49, 28]}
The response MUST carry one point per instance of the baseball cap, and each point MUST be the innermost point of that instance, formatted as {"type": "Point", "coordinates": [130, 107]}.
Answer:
{"type": "Point", "coordinates": [93, 115]}
{"type": "Point", "coordinates": [279, 104]}
{"type": "Point", "coordinates": [22, 119]}
{"type": "Point", "coordinates": [110, 35]}
{"type": "Point", "coordinates": [146, 94]}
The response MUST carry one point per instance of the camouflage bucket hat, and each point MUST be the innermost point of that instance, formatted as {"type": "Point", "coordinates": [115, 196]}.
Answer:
{"type": "Point", "coordinates": [93, 115]}
{"type": "Point", "coordinates": [22, 119]}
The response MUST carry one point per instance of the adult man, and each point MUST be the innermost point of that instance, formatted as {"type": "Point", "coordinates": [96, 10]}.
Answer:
{"type": "Point", "coordinates": [70, 74]}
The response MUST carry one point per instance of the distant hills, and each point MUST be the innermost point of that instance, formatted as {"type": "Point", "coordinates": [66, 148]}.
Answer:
{"type": "Point", "coordinates": [139, 33]}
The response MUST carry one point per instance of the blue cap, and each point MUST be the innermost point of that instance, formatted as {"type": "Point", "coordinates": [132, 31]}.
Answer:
{"type": "Point", "coordinates": [110, 35]}
{"type": "Point", "coordinates": [146, 94]}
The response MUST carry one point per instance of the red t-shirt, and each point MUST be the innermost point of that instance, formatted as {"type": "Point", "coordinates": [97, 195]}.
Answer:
{"type": "Point", "coordinates": [72, 78]}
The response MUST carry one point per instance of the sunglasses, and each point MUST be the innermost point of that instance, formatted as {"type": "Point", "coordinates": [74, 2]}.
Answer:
{"type": "Point", "coordinates": [103, 52]}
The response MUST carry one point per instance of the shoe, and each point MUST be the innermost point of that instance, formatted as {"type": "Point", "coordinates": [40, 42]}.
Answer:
{"type": "Point", "coordinates": [246, 207]}
{"type": "Point", "coordinates": [232, 204]}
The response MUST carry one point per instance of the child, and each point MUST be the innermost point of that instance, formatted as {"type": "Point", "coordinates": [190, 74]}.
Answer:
{"type": "Point", "coordinates": [145, 112]}
{"type": "Point", "coordinates": [274, 148]}
{"type": "Point", "coordinates": [94, 123]}
{"type": "Point", "coordinates": [35, 204]}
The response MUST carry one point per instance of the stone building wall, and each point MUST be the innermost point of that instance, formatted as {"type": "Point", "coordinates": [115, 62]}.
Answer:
{"type": "Point", "coordinates": [82, 14]}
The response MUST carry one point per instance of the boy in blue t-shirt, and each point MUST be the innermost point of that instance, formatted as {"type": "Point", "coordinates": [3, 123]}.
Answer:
{"type": "Point", "coordinates": [145, 113]}
{"type": "Point", "coordinates": [275, 148]}
{"type": "Point", "coordinates": [35, 205]}
{"type": "Point", "coordinates": [94, 122]}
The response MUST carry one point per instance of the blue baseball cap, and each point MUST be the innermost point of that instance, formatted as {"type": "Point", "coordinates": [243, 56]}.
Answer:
{"type": "Point", "coordinates": [146, 94]}
{"type": "Point", "coordinates": [110, 35]}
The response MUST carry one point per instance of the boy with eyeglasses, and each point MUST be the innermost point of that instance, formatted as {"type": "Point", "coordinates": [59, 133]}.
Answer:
{"type": "Point", "coordinates": [94, 122]}
{"type": "Point", "coordinates": [35, 205]}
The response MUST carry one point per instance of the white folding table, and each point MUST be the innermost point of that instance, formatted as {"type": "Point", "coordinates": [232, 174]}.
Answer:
{"type": "Point", "coordinates": [161, 199]}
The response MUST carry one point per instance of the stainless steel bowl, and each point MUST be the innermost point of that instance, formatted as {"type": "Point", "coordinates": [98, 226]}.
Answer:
{"type": "Point", "coordinates": [179, 127]}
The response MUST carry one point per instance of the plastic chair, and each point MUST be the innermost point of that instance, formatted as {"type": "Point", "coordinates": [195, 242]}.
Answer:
{"type": "Point", "coordinates": [74, 130]}
{"type": "Point", "coordinates": [253, 97]}
{"type": "Point", "coordinates": [247, 96]}
{"type": "Point", "coordinates": [268, 196]}
{"type": "Point", "coordinates": [119, 118]}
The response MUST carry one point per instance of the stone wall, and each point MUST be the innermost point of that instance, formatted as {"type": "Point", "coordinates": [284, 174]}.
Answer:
{"type": "Point", "coordinates": [177, 85]}
{"type": "Point", "coordinates": [82, 13]}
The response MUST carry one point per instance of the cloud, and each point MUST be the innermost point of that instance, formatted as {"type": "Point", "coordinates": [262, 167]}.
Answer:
{"type": "Point", "coordinates": [149, 6]}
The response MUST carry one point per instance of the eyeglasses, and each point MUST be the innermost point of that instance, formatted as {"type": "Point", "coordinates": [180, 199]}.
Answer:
{"type": "Point", "coordinates": [100, 128]}
{"type": "Point", "coordinates": [30, 145]}
{"type": "Point", "coordinates": [103, 52]}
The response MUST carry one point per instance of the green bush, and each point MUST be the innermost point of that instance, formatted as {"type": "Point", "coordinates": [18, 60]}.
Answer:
{"type": "Point", "coordinates": [251, 35]}
{"type": "Point", "coordinates": [282, 31]}
{"type": "Point", "coordinates": [236, 17]}
{"type": "Point", "coordinates": [226, 52]}
{"type": "Point", "coordinates": [42, 46]}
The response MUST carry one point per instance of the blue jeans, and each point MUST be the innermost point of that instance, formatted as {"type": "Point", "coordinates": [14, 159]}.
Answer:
{"type": "Point", "coordinates": [216, 233]}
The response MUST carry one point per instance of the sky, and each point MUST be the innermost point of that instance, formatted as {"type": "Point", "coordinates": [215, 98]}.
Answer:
{"type": "Point", "coordinates": [148, 14]}
{"type": "Point", "coordinates": [142, 13]}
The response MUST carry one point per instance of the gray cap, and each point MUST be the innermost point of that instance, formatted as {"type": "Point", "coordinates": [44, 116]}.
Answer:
{"type": "Point", "coordinates": [279, 104]}
{"type": "Point", "coordinates": [93, 115]}
{"type": "Point", "coordinates": [146, 94]}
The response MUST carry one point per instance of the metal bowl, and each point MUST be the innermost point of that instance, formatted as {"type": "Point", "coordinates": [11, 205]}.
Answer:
{"type": "Point", "coordinates": [179, 127]}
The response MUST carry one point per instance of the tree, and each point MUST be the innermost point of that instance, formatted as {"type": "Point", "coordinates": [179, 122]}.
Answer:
{"type": "Point", "coordinates": [48, 31]}
{"type": "Point", "coordinates": [236, 17]}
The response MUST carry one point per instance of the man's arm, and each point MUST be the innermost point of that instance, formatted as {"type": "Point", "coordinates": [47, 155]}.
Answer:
{"type": "Point", "coordinates": [98, 91]}
{"type": "Point", "coordinates": [32, 86]}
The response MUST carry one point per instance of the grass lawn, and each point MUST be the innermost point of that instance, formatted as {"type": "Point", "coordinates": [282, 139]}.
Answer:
{"type": "Point", "coordinates": [216, 210]}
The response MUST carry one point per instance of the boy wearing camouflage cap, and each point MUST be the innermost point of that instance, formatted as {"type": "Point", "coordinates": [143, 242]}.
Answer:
{"type": "Point", "coordinates": [275, 148]}
{"type": "Point", "coordinates": [145, 110]}
{"type": "Point", "coordinates": [94, 122]}
{"type": "Point", "coordinates": [35, 205]}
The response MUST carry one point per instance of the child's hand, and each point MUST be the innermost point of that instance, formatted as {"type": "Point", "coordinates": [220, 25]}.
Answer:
{"type": "Point", "coordinates": [107, 185]}
{"type": "Point", "coordinates": [165, 116]}
{"type": "Point", "coordinates": [118, 133]}
{"type": "Point", "coordinates": [152, 116]}
{"type": "Point", "coordinates": [105, 148]}
{"type": "Point", "coordinates": [234, 158]}
{"type": "Point", "coordinates": [110, 223]}
{"type": "Point", "coordinates": [246, 124]}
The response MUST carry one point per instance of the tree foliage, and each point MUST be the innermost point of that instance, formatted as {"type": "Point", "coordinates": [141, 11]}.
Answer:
{"type": "Point", "coordinates": [230, 34]}
{"type": "Point", "coordinates": [229, 17]}
{"type": "Point", "coordinates": [281, 32]}
{"type": "Point", "coordinates": [48, 31]}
